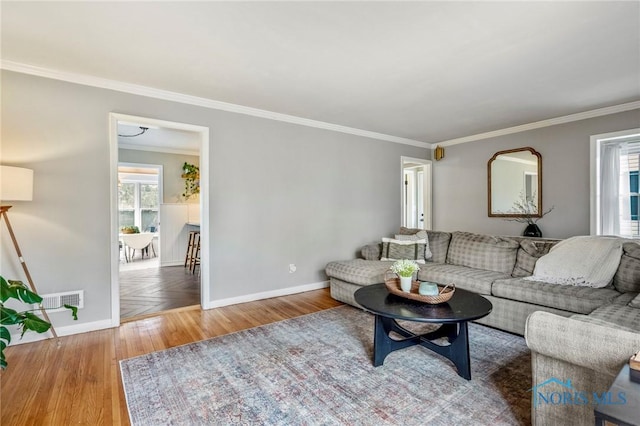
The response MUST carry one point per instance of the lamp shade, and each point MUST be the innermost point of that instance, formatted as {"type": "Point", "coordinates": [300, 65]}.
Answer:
{"type": "Point", "coordinates": [16, 184]}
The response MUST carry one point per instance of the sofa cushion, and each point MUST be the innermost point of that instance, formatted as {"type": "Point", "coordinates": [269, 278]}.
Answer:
{"type": "Point", "coordinates": [475, 280]}
{"type": "Point", "coordinates": [419, 236]}
{"type": "Point", "coordinates": [621, 315]}
{"type": "Point", "coordinates": [627, 276]}
{"type": "Point", "coordinates": [483, 252]}
{"type": "Point", "coordinates": [593, 320]}
{"type": "Point", "coordinates": [359, 271]}
{"type": "Point", "coordinates": [438, 243]}
{"type": "Point", "coordinates": [528, 253]}
{"type": "Point", "coordinates": [400, 249]}
{"type": "Point", "coordinates": [635, 303]}
{"type": "Point", "coordinates": [581, 300]}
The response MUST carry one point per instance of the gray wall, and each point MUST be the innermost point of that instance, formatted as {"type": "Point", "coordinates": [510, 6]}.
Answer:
{"type": "Point", "coordinates": [460, 179]}
{"type": "Point", "coordinates": [173, 184]}
{"type": "Point", "coordinates": [280, 193]}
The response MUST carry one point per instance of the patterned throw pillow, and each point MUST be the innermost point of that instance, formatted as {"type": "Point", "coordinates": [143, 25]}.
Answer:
{"type": "Point", "coordinates": [627, 276]}
{"type": "Point", "coordinates": [397, 250]}
{"type": "Point", "coordinates": [420, 235]}
{"type": "Point", "coordinates": [635, 303]}
{"type": "Point", "coordinates": [527, 256]}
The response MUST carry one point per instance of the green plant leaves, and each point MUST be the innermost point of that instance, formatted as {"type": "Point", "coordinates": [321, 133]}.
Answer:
{"type": "Point", "coordinates": [34, 323]}
{"type": "Point", "coordinates": [74, 311]}
{"type": "Point", "coordinates": [5, 335]}
{"type": "Point", "coordinates": [191, 175]}
{"type": "Point", "coordinates": [3, 362]}
{"type": "Point", "coordinates": [9, 316]}
{"type": "Point", "coordinates": [17, 290]}
{"type": "Point", "coordinates": [26, 320]}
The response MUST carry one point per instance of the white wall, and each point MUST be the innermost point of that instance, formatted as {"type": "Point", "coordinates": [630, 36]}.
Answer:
{"type": "Point", "coordinates": [460, 179]}
{"type": "Point", "coordinates": [280, 193]}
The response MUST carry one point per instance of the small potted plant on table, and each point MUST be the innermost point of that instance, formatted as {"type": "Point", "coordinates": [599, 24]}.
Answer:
{"type": "Point", "coordinates": [405, 269]}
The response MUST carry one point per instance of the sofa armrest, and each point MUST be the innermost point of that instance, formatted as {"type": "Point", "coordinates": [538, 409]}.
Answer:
{"type": "Point", "coordinates": [372, 251]}
{"type": "Point", "coordinates": [588, 345]}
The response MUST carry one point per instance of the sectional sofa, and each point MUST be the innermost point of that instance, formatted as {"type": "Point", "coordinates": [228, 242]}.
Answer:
{"type": "Point", "coordinates": [578, 333]}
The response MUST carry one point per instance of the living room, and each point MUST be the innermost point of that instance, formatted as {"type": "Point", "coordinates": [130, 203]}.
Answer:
{"type": "Point", "coordinates": [305, 170]}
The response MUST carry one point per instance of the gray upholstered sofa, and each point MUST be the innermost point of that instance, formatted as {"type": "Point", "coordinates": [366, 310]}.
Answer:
{"type": "Point", "coordinates": [588, 349]}
{"type": "Point", "coordinates": [582, 334]}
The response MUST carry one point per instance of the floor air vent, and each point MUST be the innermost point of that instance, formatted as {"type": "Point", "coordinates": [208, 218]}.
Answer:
{"type": "Point", "coordinates": [55, 302]}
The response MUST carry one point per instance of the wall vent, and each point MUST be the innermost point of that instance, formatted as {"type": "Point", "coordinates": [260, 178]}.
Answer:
{"type": "Point", "coordinates": [55, 302]}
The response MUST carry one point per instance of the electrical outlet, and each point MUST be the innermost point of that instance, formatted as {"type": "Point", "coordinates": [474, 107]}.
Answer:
{"type": "Point", "coordinates": [292, 268]}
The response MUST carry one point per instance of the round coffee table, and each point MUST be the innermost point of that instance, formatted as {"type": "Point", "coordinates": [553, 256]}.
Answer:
{"type": "Point", "coordinates": [464, 306]}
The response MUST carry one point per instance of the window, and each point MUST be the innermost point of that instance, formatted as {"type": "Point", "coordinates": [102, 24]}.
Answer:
{"type": "Point", "coordinates": [633, 186]}
{"type": "Point", "coordinates": [616, 163]}
{"type": "Point", "coordinates": [138, 198]}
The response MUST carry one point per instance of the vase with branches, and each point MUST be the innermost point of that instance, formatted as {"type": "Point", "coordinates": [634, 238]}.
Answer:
{"type": "Point", "coordinates": [526, 210]}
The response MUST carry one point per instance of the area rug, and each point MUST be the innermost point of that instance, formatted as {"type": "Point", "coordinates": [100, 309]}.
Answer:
{"type": "Point", "coordinates": [317, 370]}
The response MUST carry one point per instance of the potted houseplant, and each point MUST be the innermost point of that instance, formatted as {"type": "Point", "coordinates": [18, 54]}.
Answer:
{"type": "Point", "coordinates": [405, 269]}
{"type": "Point", "coordinates": [25, 320]}
{"type": "Point", "coordinates": [130, 229]}
{"type": "Point", "coordinates": [191, 176]}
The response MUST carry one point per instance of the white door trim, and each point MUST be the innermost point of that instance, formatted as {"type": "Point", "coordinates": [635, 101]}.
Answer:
{"type": "Point", "coordinates": [203, 132]}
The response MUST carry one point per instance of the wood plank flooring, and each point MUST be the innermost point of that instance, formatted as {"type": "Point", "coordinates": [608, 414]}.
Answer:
{"type": "Point", "coordinates": [146, 291]}
{"type": "Point", "coordinates": [77, 380]}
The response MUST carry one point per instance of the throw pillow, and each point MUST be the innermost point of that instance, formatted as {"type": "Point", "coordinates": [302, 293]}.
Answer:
{"type": "Point", "coordinates": [635, 303]}
{"type": "Point", "coordinates": [421, 235]}
{"type": "Point", "coordinates": [627, 276]}
{"type": "Point", "coordinates": [409, 231]}
{"type": "Point", "coordinates": [528, 254]}
{"type": "Point", "coordinates": [397, 250]}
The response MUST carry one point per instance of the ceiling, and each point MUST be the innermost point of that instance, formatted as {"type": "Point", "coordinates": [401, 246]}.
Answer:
{"type": "Point", "coordinates": [426, 71]}
{"type": "Point", "coordinates": [158, 139]}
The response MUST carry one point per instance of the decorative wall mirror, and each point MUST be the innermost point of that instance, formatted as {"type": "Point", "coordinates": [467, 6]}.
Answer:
{"type": "Point", "coordinates": [515, 183]}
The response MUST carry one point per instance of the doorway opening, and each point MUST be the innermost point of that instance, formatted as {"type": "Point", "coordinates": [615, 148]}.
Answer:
{"type": "Point", "coordinates": [416, 193]}
{"type": "Point", "coordinates": [151, 218]}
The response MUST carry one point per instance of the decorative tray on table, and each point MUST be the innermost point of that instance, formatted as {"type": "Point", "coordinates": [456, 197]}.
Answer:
{"type": "Point", "coordinates": [445, 291]}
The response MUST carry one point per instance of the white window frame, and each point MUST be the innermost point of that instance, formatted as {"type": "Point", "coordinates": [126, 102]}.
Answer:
{"type": "Point", "coordinates": [137, 213]}
{"type": "Point", "coordinates": [595, 178]}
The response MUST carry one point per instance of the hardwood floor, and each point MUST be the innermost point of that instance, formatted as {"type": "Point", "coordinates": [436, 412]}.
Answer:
{"type": "Point", "coordinates": [77, 381]}
{"type": "Point", "coordinates": [146, 291]}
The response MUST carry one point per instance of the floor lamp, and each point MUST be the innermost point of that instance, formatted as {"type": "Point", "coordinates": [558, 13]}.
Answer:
{"type": "Point", "coordinates": [16, 184]}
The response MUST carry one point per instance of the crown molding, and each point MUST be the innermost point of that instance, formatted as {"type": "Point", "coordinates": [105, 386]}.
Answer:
{"type": "Point", "coordinates": [629, 106]}
{"type": "Point", "coordinates": [166, 95]}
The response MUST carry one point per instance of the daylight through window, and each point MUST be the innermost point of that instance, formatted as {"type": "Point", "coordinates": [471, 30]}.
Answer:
{"type": "Point", "coordinates": [138, 201]}
{"type": "Point", "coordinates": [618, 166]}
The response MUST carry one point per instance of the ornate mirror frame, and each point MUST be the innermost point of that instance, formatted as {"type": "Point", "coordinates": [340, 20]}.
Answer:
{"type": "Point", "coordinates": [495, 186]}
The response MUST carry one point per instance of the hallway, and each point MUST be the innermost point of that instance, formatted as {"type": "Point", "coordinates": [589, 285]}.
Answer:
{"type": "Point", "coordinates": [150, 290]}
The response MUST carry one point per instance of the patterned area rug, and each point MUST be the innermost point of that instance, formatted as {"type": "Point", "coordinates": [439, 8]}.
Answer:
{"type": "Point", "coordinates": [317, 369]}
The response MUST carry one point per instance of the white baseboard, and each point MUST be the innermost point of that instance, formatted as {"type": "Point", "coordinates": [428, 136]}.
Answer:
{"type": "Point", "coordinates": [265, 295]}
{"type": "Point", "coordinates": [104, 324]}
{"type": "Point", "coordinates": [68, 330]}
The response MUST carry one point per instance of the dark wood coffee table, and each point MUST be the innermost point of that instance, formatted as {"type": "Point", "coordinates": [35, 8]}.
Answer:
{"type": "Point", "coordinates": [464, 306]}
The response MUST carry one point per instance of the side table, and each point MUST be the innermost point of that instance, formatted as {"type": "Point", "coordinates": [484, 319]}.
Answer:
{"type": "Point", "coordinates": [627, 414]}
